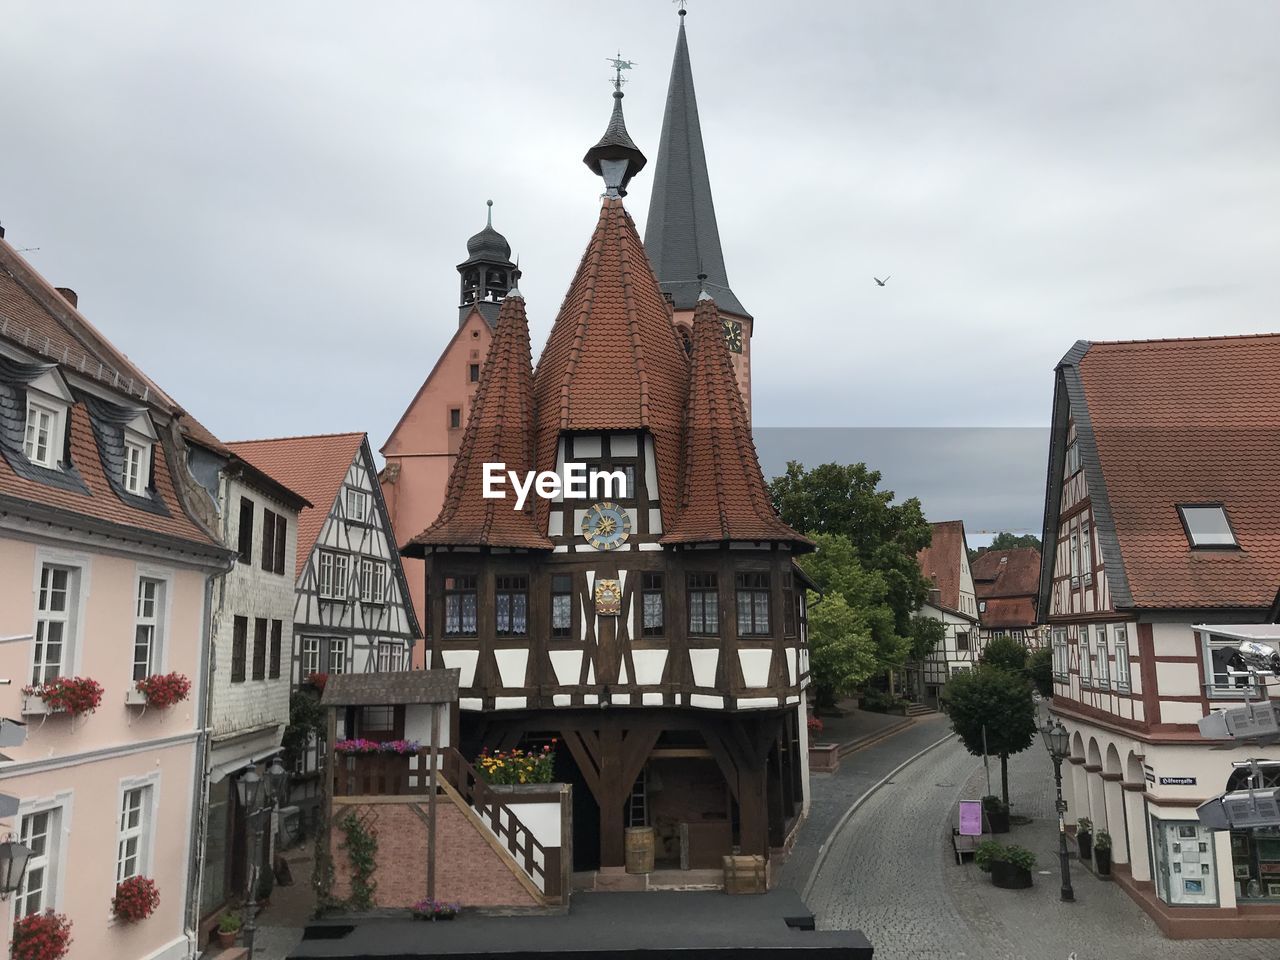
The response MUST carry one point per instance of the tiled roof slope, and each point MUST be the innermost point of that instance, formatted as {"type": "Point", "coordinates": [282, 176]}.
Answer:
{"type": "Point", "coordinates": [35, 317]}
{"type": "Point", "coordinates": [1006, 573]}
{"type": "Point", "coordinates": [723, 494]}
{"type": "Point", "coordinates": [613, 360]}
{"type": "Point", "coordinates": [1190, 421]}
{"type": "Point", "coordinates": [1001, 613]}
{"type": "Point", "coordinates": [101, 502]}
{"type": "Point", "coordinates": [499, 430]}
{"type": "Point", "coordinates": [940, 561]}
{"type": "Point", "coordinates": [311, 466]}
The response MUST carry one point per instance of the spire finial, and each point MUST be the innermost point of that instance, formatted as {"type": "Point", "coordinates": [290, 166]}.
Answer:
{"type": "Point", "coordinates": [616, 158]}
{"type": "Point", "coordinates": [681, 4]}
{"type": "Point", "coordinates": [489, 203]}
{"type": "Point", "coordinates": [618, 66]}
{"type": "Point", "coordinates": [702, 287]}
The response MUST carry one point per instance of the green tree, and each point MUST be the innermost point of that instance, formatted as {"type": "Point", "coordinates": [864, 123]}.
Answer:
{"type": "Point", "coordinates": [1040, 670]}
{"type": "Point", "coordinates": [884, 536]}
{"type": "Point", "coordinates": [1000, 702]}
{"type": "Point", "coordinates": [1006, 541]}
{"type": "Point", "coordinates": [834, 566]}
{"type": "Point", "coordinates": [926, 634]}
{"type": "Point", "coordinates": [1006, 653]}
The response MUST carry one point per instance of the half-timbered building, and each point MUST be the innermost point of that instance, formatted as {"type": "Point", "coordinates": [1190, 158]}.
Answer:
{"type": "Point", "coordinates": [951, 599]}
{"type": "Point", "coordinates": [1161, 550]}
{"type": "Point", "coordinates": [1007, 584]}
{"type": "Point", "coordinates": [658, 632]}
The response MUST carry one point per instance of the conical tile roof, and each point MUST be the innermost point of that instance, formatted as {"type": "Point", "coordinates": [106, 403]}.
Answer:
{"type": "Point", "coordinates": [613, 360]}
{"type": "Point", "coordinates": [498, 430]}
{"type": "Point", "coordinates": [723, 495]}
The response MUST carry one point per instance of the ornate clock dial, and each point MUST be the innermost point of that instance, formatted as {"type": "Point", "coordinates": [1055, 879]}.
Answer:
{"type": "Point", "coordinates": [606, 525]}
{"type": "Point", "coordinates": [733, 334]}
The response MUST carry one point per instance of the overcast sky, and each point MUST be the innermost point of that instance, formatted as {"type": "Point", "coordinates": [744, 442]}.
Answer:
{"type": "Point", "coordinates": [263, 204]}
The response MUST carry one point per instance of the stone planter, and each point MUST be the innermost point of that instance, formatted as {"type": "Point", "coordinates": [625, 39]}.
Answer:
{"type": "Point", "coordinates": [824, 757]}
{"type": "Point", "coordinates": [1084, 843]}
{"type": "Point", "coordinates": [1008, 877]}
{"type": "Point", "coordinates": [134, 697]}
{"type": "Point", "coordinates": [1102, 861]}
{"type": "Point", "coordinates": [997, 820]}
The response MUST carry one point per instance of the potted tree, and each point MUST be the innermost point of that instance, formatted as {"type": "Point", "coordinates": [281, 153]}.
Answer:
{"type": "Point", "coordinates": [228, 928]}
{"type": "Point", "coordinates": [1102, 853]}
{"type": "Point", "coordinates": [1010, 866]}
{"type": "Point", "coordinates": [1084, 837]}
{"type": "Point", "coordinates": [997, 813]}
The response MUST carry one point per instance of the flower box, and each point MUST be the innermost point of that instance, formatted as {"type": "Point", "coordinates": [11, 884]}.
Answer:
{"type": "Point", "coordinates": [73, 695]}
{"type": "Point", "coordinates": [136, 899]}
{"type": "Point", "coordinates": [41, 936]}
{"type": "Point", "coordinates": [33, 706]}
{"type": "Point", "coordinates": [159, 690]}
{"type": "Point", "coordinates": [134, 697]}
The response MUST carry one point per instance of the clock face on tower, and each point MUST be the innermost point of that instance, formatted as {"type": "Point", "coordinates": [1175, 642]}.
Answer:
{"type": "Point", "coordinates": [606, 525]}
{"type": "Point", "coordinates": [733, 334]}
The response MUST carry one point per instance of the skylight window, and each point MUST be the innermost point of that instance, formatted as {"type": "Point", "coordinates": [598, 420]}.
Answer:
{"type": "Point", "coordinates": [1207, 525]}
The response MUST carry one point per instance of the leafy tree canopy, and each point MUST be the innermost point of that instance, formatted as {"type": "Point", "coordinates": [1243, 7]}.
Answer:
{"type": "Point", "coordinates": [1006, 541]}
{"type": "Point", "coordinates": [1005, 653]}
{"type": "Point", "coordinates": [842, 654]}
{"type": "Point", "coordinates": [1000, 701]}
{"type": "Point", "coordinates": [884, 536]}
{"type": "Point", "coordinates": [926, 634]}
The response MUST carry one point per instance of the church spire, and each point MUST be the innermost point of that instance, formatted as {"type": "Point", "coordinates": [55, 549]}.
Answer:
{"type": "Point", "coordinates": [681, 236]}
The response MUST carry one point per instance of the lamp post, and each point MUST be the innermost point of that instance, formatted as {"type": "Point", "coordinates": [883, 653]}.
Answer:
{"type": "Point", "coordinates": [258, 807]}
{"type": "Point", "coordinates": [13, 865]}
{"type": "Point", "coordinates": [1057, 742]}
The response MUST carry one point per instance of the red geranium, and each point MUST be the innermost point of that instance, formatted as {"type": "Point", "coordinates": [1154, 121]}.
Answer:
{"type": "Point", "coordinates": [73, 695]}
{"type": "Point", "coordinates": [815, 725]}
{"type": "Point", "coordinates": [164, 689]}
{"type": "Point", "coordinates": [317, 680]}
{"type": "Point", "coordinates": [136, 899]}
{"type": "Point", "coordinates": [41, 936]}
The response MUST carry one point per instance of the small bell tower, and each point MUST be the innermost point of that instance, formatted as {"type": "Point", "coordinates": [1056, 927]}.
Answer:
{"type": "Point", "coordinates": [487, 273]}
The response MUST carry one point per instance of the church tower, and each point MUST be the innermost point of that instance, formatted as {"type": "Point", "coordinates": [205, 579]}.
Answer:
{"type": "Point", "coordinates": [681, 236]}
{"type": "Point", "coordinates": [487, 273]}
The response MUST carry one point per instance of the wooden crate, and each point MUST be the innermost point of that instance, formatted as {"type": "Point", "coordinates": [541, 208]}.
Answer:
{"type": "Point", "coordinates": [746, 874]}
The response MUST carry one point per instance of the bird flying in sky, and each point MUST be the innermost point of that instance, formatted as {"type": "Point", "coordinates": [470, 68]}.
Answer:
{"type": "Point", "coordinates": [879, 281]}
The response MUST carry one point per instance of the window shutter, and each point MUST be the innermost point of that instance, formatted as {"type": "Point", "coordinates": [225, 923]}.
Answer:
{"type": "Point", "coordinates": [268, 539]}
{"type": "Point", "coordinates": [239, 638]}
{"type": "Point", "coordinates": [246, 530]}
{"type": "Point", "coordinates": [282, 529]}
{"type": "Point", "coordinates": [276, 631]}
{"type": "Point", "coordinates": [259, 649]}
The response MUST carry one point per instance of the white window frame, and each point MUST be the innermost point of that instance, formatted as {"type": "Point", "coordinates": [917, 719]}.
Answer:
{"type": "Point", "coordinates": [136, 462]}
{"type": "Point", "coordinates": [1238, 688]}
{"type": "Point", "coordinates": [1102, 671]}
{"type": "Point", "coordinates": [1122, 658]}
{"type": "Point", "coordinates": [336, 644]}
{"type": "Point", "coordinates": [390, 655]}
{"type": "Point", "coordinates": [144, 832]}
{"type": "Point", "coordinates": [54, 860]}
{"type": "Point", "coordinates": [156, 621]}
{"type": "Point", "coordinates": [1084, 654]}
{"type": "Point", "coordinates": [357, 505]}
{"type": "Point", "coordinates": [332, 575]}
{"type": "Point", "coordinates": [1075, 554]}
{"type": "Point", "coordinates": [310, 662]}
{"type": "Point", "coordinates": [52, 430]}
{"type": "Point", "coordinates": [1086, 552]}
{"type": "Point", "coordinates": [373, 580]}
{"type": "Point", "coordinates": [69, 618]}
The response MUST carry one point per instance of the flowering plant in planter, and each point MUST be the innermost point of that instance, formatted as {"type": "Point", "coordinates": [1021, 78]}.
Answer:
{"type": "Point", "coordinates": [136, 899]}
{"type": "Point", "coordinates": [164, 689]}
{"type": "Point", "coordinates": [429, 909]}
{"type": "Point", "coordinates": [73, 695]}
{"type": "Point", "coordinates": [517, 766]}
{"type": "Point", "coordinates": [361, 745]}
{"type": "Point", "coordinates": [41, 936]}
{"type": "Point", "coordinates": [316, 681]}
{"type": "Point", "coordinates": [815, 725]}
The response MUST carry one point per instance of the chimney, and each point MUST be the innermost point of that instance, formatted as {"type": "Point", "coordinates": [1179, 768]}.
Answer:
{"type": "Point", "coordinates": [69, 295]}
{"type": "Point", "coordinates": [935, 596]}
{"type": "Point", "coordinates": [1, 231]}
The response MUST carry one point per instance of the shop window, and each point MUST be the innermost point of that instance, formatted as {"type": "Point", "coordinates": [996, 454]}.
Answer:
{"type": "Point", "coordinates": [1184, 868]}
{"type": "Point", "coordinates": [1255, 854]}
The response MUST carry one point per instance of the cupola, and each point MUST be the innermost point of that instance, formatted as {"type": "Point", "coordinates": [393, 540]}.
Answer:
{"type": "Point", "coordinates": [487, 273]}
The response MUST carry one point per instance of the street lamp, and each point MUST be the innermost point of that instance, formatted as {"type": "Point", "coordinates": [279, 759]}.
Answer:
{"type": "Point", "coordinates": [1057, 742]}
{"type": "Point", "coordinates": [13, 864]}
{"type": "Point", "coordinates": [258, 804]}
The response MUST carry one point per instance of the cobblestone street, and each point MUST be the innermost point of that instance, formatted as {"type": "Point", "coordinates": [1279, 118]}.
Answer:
{"type": "Point", "coordinates": [890, 873]}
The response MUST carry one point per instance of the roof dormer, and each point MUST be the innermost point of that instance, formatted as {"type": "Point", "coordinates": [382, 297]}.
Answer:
{"type": "Point", "coordinates": [44, 436]}
{"type": "Point", "coordinates": [139, 444]}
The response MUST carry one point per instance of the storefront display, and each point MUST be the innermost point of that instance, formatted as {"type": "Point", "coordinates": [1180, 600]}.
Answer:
{"type": "Point", "coordinates": [1185, 870]}
{"type": "Point", "coordinates": [1255, 861]}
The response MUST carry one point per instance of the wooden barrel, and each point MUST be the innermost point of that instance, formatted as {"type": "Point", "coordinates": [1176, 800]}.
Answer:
{"type": "Point", "coordinates": [639, 849]}
{"type": "Point", "coordinates": [745, 874]}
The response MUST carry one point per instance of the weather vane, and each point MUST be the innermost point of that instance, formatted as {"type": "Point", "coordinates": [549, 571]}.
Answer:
{"type": "Point", "coordinates": [618, 66]}
{"type": "Point", "coordinates": [680, 4]}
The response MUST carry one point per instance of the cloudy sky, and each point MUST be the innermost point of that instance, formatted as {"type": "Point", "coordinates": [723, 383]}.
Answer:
{"type": "Point", "coordinates": [263, 204]}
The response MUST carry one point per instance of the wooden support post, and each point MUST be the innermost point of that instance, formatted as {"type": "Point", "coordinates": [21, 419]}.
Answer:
{"type": "Point", "coordinates": [434, 754]}
{"type": "Point", "coordinates": [612, 797]}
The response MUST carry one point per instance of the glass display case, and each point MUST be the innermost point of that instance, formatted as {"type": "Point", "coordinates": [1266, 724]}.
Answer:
{"type": "Point", "coordinates": [1185, 870]}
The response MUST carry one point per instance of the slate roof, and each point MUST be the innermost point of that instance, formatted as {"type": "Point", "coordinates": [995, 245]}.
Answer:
{"type": "Point", "coordinates": [680, 234]}
{"type": "Point", "coordinates": [314, 467]}
{"type": "Point", "coordinates": [940, 561]}
{"type": "Point", "coordinates": [1169, 422]}
{"type": "Point", "coordinates": [613, 359]}
{"type": "Point", "coordinates": [499, 430]}
{"type": "Point", "coordinates": [383, 689]}
{"type": "Point", "coordinates": [36, 318]}
{"type": "Point", "coordinates": [1006, 573]}
{"type": "Point", "coordinates": [723, 495]}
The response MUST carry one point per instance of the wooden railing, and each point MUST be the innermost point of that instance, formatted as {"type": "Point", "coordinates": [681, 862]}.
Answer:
{"type": "Point", "coordinates": [542, 864]}
{"type": "Point", "coordinates": [395, 775]}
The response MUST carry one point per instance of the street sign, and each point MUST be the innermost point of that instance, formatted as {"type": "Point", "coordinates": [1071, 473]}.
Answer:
{"type": "Point", "coordinates": [1177, 781]}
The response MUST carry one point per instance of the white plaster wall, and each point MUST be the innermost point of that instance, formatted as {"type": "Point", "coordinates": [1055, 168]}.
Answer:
{"type": "Point", "coordinates": [1178, 680]}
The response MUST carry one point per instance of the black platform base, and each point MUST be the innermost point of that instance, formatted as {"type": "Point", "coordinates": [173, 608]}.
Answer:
{"type": "Point", "coordinates": [601, 926]}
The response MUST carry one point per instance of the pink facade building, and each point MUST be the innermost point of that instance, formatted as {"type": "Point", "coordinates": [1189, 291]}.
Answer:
{"type": "Point", "coordinates": [105, 571]}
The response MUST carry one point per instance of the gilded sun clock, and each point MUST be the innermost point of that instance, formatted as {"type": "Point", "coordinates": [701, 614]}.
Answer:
{"type": "Point", "coordinates": [733, 334]}
{"type": "Point", "coordinates": [606, 525]}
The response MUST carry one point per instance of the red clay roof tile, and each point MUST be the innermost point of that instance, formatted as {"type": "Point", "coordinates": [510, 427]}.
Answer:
{"type": "Point", "coordinates": [1007, 573]}
{"type": "Point", "coordinates": [940, 561]}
